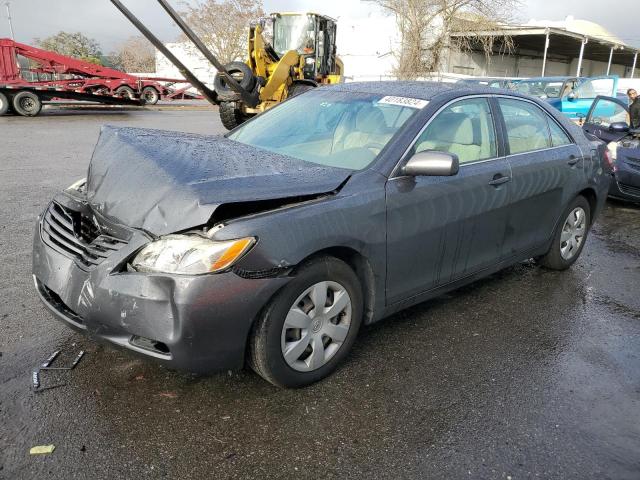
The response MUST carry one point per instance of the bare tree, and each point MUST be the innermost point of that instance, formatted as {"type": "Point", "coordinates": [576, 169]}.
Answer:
{"type": "Point", "coordinates": [223, 25]}
{"type": "Point", "coordinates": [136, 55]}
{"type": "Point", "coordinates": [426, 27]}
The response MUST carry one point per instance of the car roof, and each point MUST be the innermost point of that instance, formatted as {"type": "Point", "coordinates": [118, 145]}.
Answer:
{"type": "Point", "coordinates": [546, 79]}
{"type": "Point", "coordinates": [412, 89]}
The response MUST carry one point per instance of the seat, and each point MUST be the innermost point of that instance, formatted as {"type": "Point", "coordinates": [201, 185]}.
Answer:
{"type": "Point", "coordinates": [453, 133]}
{"type": "Point", "coordinates": [366, 129]}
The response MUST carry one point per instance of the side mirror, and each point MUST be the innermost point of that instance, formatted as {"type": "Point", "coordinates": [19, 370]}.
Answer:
{"type": "Point", "coordinates": [619, 127]}
{"type": "Point", "coordinates": [432, 163]}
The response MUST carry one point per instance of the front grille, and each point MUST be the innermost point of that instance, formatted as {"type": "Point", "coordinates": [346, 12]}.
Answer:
{"type": "Point", "coordinates": [77, 235]}
{"type": "Point", "coordinates": [629, 190]}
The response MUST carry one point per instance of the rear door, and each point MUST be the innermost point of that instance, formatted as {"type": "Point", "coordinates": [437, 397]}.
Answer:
{"type": "Point", "coordinates": [547, 168]}
{"type": "Point", "coordinates": [604, 112]}
{"type": "Point", "coordinates": [577, 103]}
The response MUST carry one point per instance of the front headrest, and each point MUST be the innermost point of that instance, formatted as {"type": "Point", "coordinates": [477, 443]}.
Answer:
{"type": "Point", "coordinates": [452, 128]}
{"type": "Point", "coordinates": [369, 120]}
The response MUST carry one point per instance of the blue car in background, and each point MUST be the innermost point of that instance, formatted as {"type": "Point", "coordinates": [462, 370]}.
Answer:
{"type": "Point", "coordinates": [576, 104]}
{"type": "Point", "coordinates": [547, 88]}
{"type": "Point", "coordinates": [608, 120]}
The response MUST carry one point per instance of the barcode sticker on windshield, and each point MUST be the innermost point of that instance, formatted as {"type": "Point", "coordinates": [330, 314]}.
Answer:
{"type": "Point", "coordinates": [404, 101]}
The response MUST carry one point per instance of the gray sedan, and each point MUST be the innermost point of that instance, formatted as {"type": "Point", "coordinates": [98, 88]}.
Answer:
{"type": "Point", "coordinates": [337, 208]}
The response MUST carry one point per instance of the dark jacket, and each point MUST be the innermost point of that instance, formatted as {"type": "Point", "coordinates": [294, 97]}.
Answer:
{"type": "Point", "coordinates": [634, 113]}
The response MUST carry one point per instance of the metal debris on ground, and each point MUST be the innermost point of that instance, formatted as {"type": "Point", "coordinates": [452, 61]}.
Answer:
{"type": "Point", "coordinates": [36, 384]}
{"type": "Point", "coordinates": [42, 449]}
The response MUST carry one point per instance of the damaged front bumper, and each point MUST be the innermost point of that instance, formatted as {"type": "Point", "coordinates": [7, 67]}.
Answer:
{"type": "Point", "coordinates": [194, 323]}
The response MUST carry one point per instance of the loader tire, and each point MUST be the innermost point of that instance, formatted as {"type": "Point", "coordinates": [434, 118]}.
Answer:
{"type": "Point", "coordinates": [241, 73]}
{"type": "Point", "coordinates": [231, 116]}
{"type": "Point", "coordinates": [4, 104]}
{"type": "Point", "coordinates": [27, 104]}
{"type": "Point", "coordinates": [298, 88]}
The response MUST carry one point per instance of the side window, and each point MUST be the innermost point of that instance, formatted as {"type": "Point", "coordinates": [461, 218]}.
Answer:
{"type": "Point", "coordinates": [527, 127]}
{"type": "Point", "coordinates": [605, 112]}
{"type": "Point", "coordinates": [558, 136]}
{"type": "Point", "coordinates": [464, 128]}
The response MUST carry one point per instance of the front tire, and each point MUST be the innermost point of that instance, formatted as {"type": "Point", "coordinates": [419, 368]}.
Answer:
{"type": "Point", "coordinates": [569, 237]}
{"type": "Point", "coordinates": [231, 116]}
{"type": "Point", "coordinates": [309, 327]}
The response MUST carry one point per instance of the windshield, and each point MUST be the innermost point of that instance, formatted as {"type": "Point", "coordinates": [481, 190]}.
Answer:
{"type": "Point", "coordinates": [326, 127]}
{"type": "Point", "coordinates": [539, 88]}
{"type": "Point", "coordinates": [294, 32]}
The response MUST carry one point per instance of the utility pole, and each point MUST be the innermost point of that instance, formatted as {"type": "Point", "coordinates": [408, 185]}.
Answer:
{"type": "Point", "coordinates": [9, 17]}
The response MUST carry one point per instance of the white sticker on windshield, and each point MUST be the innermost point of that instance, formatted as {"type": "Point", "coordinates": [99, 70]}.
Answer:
{"type": "Point", "coordinates": [404, 101]}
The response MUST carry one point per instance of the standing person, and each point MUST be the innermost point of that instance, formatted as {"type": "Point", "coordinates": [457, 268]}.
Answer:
{"type": "Point", "coordinates": [634, 108]}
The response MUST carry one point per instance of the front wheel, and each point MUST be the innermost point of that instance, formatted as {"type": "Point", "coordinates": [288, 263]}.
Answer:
{"type": "Point", "coordinates": [570, 236]}
{"type": "Point", "coordinates": [230, 115]}
{"type": "Point", "coordinates": [310, 326]}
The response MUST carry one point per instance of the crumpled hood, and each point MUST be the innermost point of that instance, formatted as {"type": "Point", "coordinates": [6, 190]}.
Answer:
{"type": "Point", "coordinates": [164, 182]}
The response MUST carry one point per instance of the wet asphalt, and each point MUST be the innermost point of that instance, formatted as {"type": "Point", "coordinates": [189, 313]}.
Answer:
{"type": "Point", "coordinates": [526, 374]}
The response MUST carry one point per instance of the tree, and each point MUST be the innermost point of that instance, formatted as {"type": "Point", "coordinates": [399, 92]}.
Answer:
{"type": "Point", "coordinates": [136, 55]}
{"type": "Point", "coordinates": [74, 45]}
{"type": "Point", "coordinates": [223, 25]}
{"type": "Point", "coordinates": [426, 26]}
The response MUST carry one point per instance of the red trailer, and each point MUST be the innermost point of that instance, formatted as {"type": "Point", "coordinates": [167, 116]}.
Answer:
{"type": "Point", "coordinates": [51, 75]}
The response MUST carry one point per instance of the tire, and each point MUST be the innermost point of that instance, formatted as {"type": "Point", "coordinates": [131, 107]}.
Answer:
{"type": "Point", "coordinates": [125, 91]}
{"type": "Point", "coordinates": [298, 88]}
{"type": "Point", "coordinates": [231, 116]}
{"type": "Point", "coordinates": [241, 72]}
{"type": "Point", "coordinates": [4, 104]}
{"type": "Point", "coordinates": [563, 253]}
{"type": "Point", "coordinates": [27, 104]}
{"type": "Point", "coordinates": [272, 334]}
{"type": "Point", "coordinates": [150, 95]}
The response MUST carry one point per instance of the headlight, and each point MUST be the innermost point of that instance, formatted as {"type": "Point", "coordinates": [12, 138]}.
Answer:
{"type": "Point", "coordinates": [190, 254]}
{"type": "Point", "coordinates": [79, 186]}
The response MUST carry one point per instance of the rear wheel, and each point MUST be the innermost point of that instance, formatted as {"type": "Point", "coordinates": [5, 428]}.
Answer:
{"type": "Point", "coordinates": [150, 95]}
{"type": "Point", "coordinates": [125, 92]}
{"type": "Point", "coordinates": [310, 326]}
{"type": "Point", "coordinates": [231, 116]}
{"type": "Point", "coordinates": [27, 104]}
{"type": "Point", "coordinates": [4, 104]}
{"type": "Point", "coordinates": [570, 236]}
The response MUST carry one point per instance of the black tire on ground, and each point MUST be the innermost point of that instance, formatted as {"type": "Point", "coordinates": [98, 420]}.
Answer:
{"type": "Point", "coordinates": [553, 259]}
{"type": "Point", "coordinates": [150, 95]}
{"type": "Point", "coordinates": [231, 116]}
{"type": "Point", "coordinates": [4, 104]}
{"type": "Point", "coordinates": [298, 88]}
{"type": "Point", "coordinates": [265, 354]}
{"type": "Point", "coordinates": [27, 104]}
{"type": "Point", "coordinates": [241, 72]}
{"type": "Point", "coordinates": [125, 91]}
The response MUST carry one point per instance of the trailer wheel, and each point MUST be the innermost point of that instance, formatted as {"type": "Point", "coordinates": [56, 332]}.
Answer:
{"type": "Point", "coordinates": [27, 104]}
{"type": "Point", "coordinates": [231, 116]}
{"type": "Point", "coordinates": [125, 92]}
{"type": "Point", "coordinates": [150, 95]}
{"type": "Point", "coordinates": [4, 104]}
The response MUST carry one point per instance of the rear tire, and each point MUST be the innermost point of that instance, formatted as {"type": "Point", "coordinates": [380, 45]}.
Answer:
{"type": "Point", "coordinates": [569, 237]}
{"type": "Point", "coordinates": [295, 342]}
{"type": "Point", "coordinates": [125, 92]}
{"type": "Point", "coordinates": [150, 95]}
{"type": "Point", "coordinates": [27, 104]}
{"type": "Point", "coordinates": [4, 104]}
{"type": "Point", "coordinates": [231, 116]}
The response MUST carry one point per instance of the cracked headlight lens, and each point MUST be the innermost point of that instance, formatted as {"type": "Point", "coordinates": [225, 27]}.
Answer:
{"type": "Point", "coordinates": [78, 186]}
{"type": "Point", "coordinates": [190, 254]}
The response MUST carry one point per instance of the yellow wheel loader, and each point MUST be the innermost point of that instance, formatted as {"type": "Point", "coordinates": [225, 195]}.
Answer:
{"type": "Point", "coordinates": [288, 53]}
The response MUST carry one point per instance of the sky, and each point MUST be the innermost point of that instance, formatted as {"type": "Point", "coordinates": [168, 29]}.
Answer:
{"type": "Point", "coordinates": [99, 19]}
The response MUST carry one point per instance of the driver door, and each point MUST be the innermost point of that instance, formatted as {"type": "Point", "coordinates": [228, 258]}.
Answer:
{"type": "Point", "coordinates": [577, 103]}
{"type": "Point", "coordinates": [604, 112]}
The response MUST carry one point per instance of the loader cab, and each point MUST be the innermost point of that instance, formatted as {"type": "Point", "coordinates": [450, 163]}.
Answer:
{"type": "Point", "coordinates": [313, 36]}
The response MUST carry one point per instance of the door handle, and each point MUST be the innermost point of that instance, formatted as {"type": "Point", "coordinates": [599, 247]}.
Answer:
{"type": "Point", "coordinates": [573, 160]}
{"type": "Point", "coordinates": [499, 180]}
